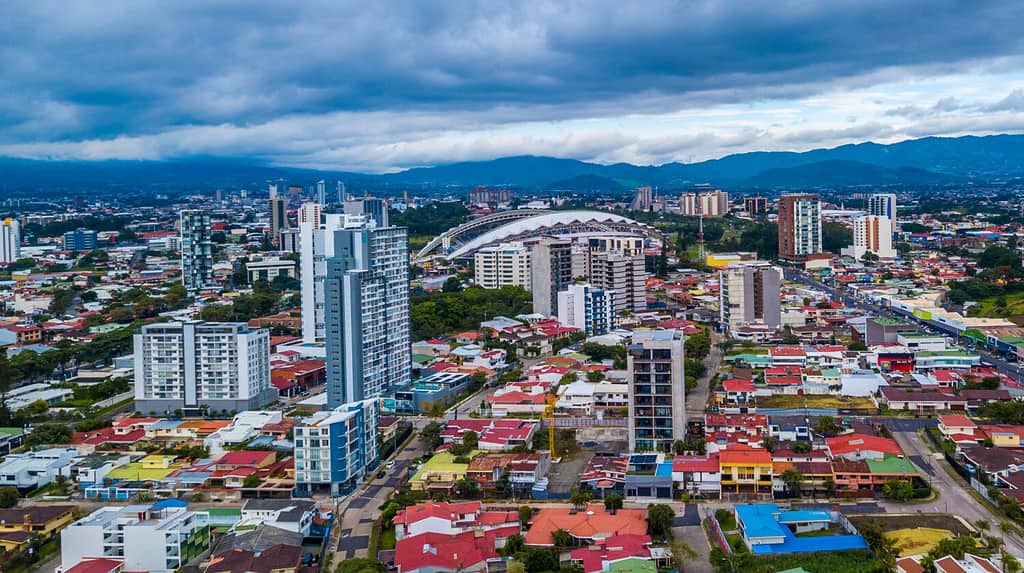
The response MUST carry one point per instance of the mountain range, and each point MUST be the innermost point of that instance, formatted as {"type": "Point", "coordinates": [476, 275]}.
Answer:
{"type": "Point", "coordinates": [925, 161]}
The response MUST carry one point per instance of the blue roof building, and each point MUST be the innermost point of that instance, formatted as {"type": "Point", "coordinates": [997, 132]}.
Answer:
{"type": "Point", "coordinates": [766, 530]}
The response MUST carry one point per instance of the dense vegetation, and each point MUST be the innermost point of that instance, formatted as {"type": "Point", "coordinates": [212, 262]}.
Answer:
{"type": "Point", "coordinates": [439, 313]}
{"type": "Point", "coordinates": [431, 219]}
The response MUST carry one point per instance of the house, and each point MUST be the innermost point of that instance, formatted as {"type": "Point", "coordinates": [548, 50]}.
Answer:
{"type": "Point", "coordinates": [466, 552]}
{"type": "Point", "coordinates": [32, 470]}
{"type": "Point", "coordinates": [40, 519]}
{"type": "Point", "coordinates": [278, 558]}
{"type": "Point", "coordinates": [605, 474]}
{"type": "Point", "coordinates": [768, 530]}
{"type": "Point", "coordinates": [789, 428]}
{"type": "Point", "coordinates": [698, 475]}
{"type": "Point", "coordinates": [523, 470]}
{"type": "Point", "coordinates": [788, 356]}
{"type": "Point", "coordinates": [862, 447]}
{"type": "Point", "coordinates": [997, 463]}
{"type": "Point", "coordinates": [969, 564]}
{"type": "Point", "coordinates": [1003, 435]}
{"type": "Point", "coordinates": [97, 565]}
{"type": "Point", "coordinates": [866, 478]}
{"type": "Point", "coordinates": [295, 515]}
{"type": "Point", "coordinates": [593, 523]}
{"type": "Point", "coordinates": [978, 396]}
{"type": "Point", "coordinates": [605, 553]}
{"type": "Point", "coordinates": [450, 519]}
{"type": "Point", "coordinates": [921, 402]}
{"type": "Point", "coordinates": [960, 429]}
{"type": "Point", "coordinates": [745, 470]}
{"type": "Point", "coordinates": [246, 459]}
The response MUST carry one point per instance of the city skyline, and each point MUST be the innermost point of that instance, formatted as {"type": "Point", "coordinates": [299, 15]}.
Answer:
{"type": "Point", "coordinates": [380, 89]}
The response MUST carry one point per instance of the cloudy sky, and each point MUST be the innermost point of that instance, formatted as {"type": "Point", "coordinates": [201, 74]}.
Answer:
{"type": "Point", "coordinates": [380, 86]}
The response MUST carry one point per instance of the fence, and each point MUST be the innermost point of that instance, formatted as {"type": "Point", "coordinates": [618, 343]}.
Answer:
{"type": "Point", "coordinates": [716, 533]}
{"type": "Point", "coordinates": [588, 423]}
{"type": "Point", "coordinates": [114, 399]}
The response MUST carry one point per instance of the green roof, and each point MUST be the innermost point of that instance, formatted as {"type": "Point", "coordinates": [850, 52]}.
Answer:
{"type": "Point", "coordinates": [12, 431]}
{"type": "Point", "coordinates": [750, 358]}
{"type": "Point", "coordinates": [420, 358]}
{"type": "Point", "coordinates": [892, 465]}
{"type": "Point", "coordinates": [830, 372]}
{"type": "Point", "coordinates": [632, 565]}
{"type": "Point", "coordinates": [930, 353]}
{"type": "Point", "coordinates": [224, 511]}
{"type": "Point", "coordinates": [887, 321]}
{"type": "Point", "coordinates": [576, 356]}
{"type": "Point", "coordinates": [443, 462]}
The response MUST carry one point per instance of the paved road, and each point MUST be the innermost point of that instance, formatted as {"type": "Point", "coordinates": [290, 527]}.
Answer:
{"type": "Point", "coordinates": [953, 491]}
{"type": "Point", "coordinates": [697, 399]}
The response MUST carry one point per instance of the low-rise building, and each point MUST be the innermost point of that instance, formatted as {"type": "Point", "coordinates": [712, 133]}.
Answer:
{"type": "Point", "coordinates": [31, 470]}
{"type": "Point", "coordinates": [295, 515]}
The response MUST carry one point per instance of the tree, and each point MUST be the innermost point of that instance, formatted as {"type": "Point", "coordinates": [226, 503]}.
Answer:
{"type": "Point", "coordinates": [61, 484]}
{"type": "Point", "coordinates": [525, 513]}
{"type": "Point", "coordinates": [251, 481]}
{"type": "Point", "coordinates": [899, 490]}
{"type": "Point", "coordinates": [561, 538]}
{"type": "Point", "coordinates": [788, 337]}
{"type": "Point", "coordinates": [982, 524]}
{"type": "Point", "coordinates": [857, 346]}
{"type": "Point", "coordinates": [538, 560]}
{"type": "Point", "coordinates": [793, 480]}
{"type": "Point", "coordinates": [431, 434]}
{"type": "Point", "coordinates": [659, 520]}
{"type": "Point", "coordinates": [595, 376]}
{"type": "Point", "coordinates": [613, 502]}
{"type": "Point", "coordinates": [884, 548]}
{"type": "Point", "coordinates": [514, 544]}
{"type": "Point", "coordinates": [698, 345]}
{"type": "Point", "coordinates": [682, 553]}
{"type": "Point", "coordinates": [466, 487]}
{"type": "Point", "coordinates": [579, 498]}
{"type": "Point", "coordinates": [827, 426]}
{"type": "Point", "coordinates": [360, 565]}
{"type": "Point", "coordinates": [470, 439]}
{"type": "Point", "coordinates": [9, 496]}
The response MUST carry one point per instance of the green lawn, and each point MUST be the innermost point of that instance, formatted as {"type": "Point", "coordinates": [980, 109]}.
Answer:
{"type": "Point", "coordinates": [988, 307]}
{"type": "Point", "coordinates": [387, 539]}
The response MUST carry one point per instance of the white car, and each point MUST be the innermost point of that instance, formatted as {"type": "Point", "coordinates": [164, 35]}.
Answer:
{"type": "Point", "coordinates": [390, 465]}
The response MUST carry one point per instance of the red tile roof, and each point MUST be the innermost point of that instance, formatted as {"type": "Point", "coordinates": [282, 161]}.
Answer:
{"type": "Point", "coordinates": [589, 524]}
{"type": "Point", "coordinates": [849, 443]}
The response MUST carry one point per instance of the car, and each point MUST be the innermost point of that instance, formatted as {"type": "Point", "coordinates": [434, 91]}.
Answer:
{"type": "Point", "coordinates": [390, 465]}
{"type": "Point", "coordinates": [381, 474]}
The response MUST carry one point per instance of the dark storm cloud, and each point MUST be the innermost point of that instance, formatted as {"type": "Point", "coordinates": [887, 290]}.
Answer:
{"type": "Point", "coordinates": [88, 70]}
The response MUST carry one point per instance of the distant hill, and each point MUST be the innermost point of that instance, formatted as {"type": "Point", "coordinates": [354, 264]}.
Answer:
{"type": "Point", "coordinates": [587, 184]}
{"type": "Point", "coordinates": [930, 160]}
{"type": "Point", "coordinates": [842, 173]}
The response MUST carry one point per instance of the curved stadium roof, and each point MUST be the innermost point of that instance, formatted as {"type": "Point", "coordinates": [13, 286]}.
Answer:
{"type": "Point", "coordinates": [548, 223]}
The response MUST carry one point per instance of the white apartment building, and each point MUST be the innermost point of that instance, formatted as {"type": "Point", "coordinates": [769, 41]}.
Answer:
{"type": "Point", "coordinates": [799, 226]}
{"type": "Point", "coordinates": [622, 274]}
{"type": "Point", "coordinates": [157, 538]}
{"type": "Point", "coordinates": [882, 205]}
{"type": "Point", "coordinates": [590, 309]}
{"type": "Point", "coordinates": [507, 264]}
{"type": "Point", "coordinates": [335, 449]}
{"type": "Point", "coordinates": [223, 366]}
{"type": "Point", "coordinates": [366, 312]}
{"type": "Point", "coordinates": [872, 234]}
{"type": "Point", "coordinates": [708, 203]}
{"type": "Point", "coordinates": [10, 240]}
{"type": "Point", "coordinates": [316, 242]}
{"type": "Point", "coordinates": [749, 293]}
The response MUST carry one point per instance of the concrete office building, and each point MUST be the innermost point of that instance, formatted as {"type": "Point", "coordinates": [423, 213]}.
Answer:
{"type": "Point", "coordinates": [196, 250]}
{"type": "Point", "coordinates": [10, 240]}
{"type": "Point", "coordinates": [290, 241]}
{"type": "Point", "coordinates": [366, 312]}
{"type": "Point", "coordinates": [882, 205]}
{"type": "Point", "coordinates": [507, 264]}
{"type": "Point", "coordinates": [749, 293]}
{"type": "Point", "coordinates": [657, 402]}
{"type": "Point", "coordinates": [369, 207]}
{"type": "Point", "coordinates": [623, 275]}
{"type": "Point", "coordinates": [336, 449]}
{"type": "Point", "coordinates": [755, 206]}
{"type": "Point", "coordinates": [159, 538]}
{"type": "Point", "coordinates": [223, 366]}
{"type": "Point", "coordinates": [550, 273]}
{"type": "Point", "coordinates": [799, 226]}
{"type": "Point", "coordinates": [321, 192]}
{"type": "Point", "coordinates": [872, 234]}
{"type": "Point", "coordinates": [80, 240]}
{"type": "Point", "coordinates": [278, 218]}
{"type": "Point", "coordinates": [590, 309]}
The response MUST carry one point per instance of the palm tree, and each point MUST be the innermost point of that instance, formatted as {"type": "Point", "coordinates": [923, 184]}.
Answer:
{"type": "Point", "coordinates": [1005, 526]}
{"type": "Point", "coordinates": [793, 480]}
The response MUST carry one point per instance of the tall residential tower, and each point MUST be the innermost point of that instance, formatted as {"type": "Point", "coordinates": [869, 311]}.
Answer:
{"type": "Point", "coordinates": [196, 250]}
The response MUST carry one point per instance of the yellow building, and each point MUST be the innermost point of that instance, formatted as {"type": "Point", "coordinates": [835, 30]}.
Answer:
{"type": "Point", "coordinates": [723, 260]}
{"type": "Point", "coordinates": [37, 519]}
{"type": "Point", "coordinates": [746, 470]}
